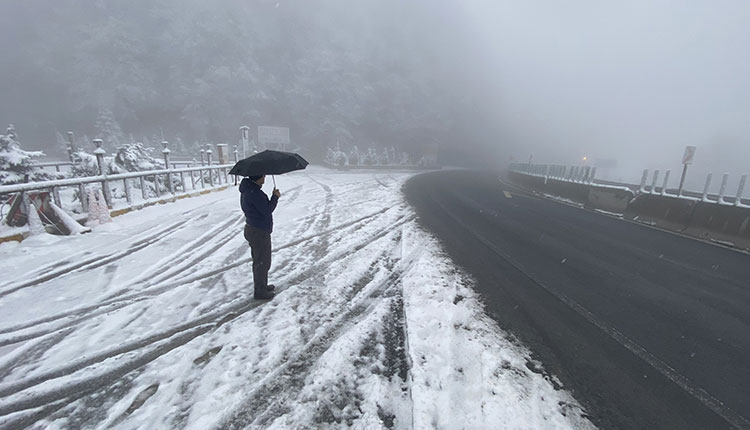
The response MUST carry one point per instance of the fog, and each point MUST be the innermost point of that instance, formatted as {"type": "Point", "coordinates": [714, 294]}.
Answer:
{"type": "Point", "coordinates": [486, 82]}
{"type": "Point", "coordinates": [633, 81]}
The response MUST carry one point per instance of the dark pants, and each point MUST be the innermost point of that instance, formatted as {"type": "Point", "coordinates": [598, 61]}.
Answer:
{"type": "Point", "coordinates": [260, 247]}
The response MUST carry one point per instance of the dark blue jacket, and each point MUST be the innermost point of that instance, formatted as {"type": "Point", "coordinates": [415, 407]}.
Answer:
{"type": "Point", "coordinates": [256, 205]}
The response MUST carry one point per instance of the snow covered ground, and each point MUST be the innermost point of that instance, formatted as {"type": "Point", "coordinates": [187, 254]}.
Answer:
{"type": "Point", "coordinates": [148, 322]}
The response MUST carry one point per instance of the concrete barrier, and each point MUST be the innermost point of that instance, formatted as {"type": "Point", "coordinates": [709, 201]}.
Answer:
{"type": "Point", "coordinates": [668, 210]}
{"type": "Point", "coordinates": [610, 199]}
{"type": "Point", "coordinates": [722, 223]}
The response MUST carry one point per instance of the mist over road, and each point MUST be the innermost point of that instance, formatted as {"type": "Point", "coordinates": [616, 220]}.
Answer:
{"type": "Point", "coordinates": [646, 328]}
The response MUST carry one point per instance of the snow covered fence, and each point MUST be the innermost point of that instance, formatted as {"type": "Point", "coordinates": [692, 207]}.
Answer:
{"type": "Point", "coordinates": [206, 177]}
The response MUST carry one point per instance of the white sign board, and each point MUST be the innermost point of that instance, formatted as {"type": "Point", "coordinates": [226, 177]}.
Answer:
{"type": "Point", "coordinates": [277, 135]}
{"type": "Point", "coordinates": [689, 155]}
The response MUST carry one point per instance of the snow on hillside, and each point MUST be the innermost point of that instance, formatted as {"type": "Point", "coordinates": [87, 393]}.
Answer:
{"type": "Point", "coordinates": [149, 322]}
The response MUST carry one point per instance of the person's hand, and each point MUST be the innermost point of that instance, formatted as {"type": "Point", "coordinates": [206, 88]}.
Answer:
{"type": "Point", "coordinates": [276, 192]}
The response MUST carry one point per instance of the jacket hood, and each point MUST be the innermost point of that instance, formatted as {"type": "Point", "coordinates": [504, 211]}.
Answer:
{"type": "Point", "coordinates": [246, 185]}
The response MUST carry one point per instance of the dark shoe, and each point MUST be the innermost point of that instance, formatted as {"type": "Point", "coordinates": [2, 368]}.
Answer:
{"type": "Point", "coordinates": [263, 295]}
{"type": "Point", "coordinates": [271, 287]}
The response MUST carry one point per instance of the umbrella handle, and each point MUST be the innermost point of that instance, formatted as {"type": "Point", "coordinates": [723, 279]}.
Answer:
{"type": "Point", "coordinates": [274, 181]}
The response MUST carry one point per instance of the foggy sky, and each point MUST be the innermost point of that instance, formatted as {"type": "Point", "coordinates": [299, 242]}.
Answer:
{"type": "Point", "coordinates": [631, 81]}
{"type": "Point", "coordinates": [634, 81]}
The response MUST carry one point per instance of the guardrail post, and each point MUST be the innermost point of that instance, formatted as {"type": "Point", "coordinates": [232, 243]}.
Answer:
{"type": "Point", "coordinates": [128, 196]}
{"type": "Point", "coordinates": [209, 152]}
{"type": "Point", "coordinates": [166, 152]}
{"type": "Point", "coordinates": [203, 157]}
{"type": "Point", "coordinates": [664, 184]}
{"type": "Point", "coordinates": [192, 180]}
{"type": "Point", "coordinates": [741, 188]}
{"type": "Point", "coordinates": [156, 186]}
{"type": "Point", "coordinates": [705, 187]}
{"type": "Point", "coordinates": [83, 197]}
{"type": "Point", "coordinates": [144, 190]}
{"type": "Point", "coordinates": [182, 181]}
{"type": "Point", "coordinates": [653, 182]}
{"type": "Point", "coordinates": [236, 154]}
{"type": "Point", "coordinates": [723, 188]}
{"type": "Point", "coordinates": [99, 152]}
{"type": "Point", "coordinates": [644, 178]}
{"type": "Point", "coordinates": [56, 196]}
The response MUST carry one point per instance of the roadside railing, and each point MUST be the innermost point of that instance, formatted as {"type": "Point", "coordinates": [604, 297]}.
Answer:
{"type": "Point", "coordinates": [579, 174]}
{"type": "Point", "coordinates": [55, 164]}
{"type": "Point", "coordinates": [207, 176]}
{"type": "Point", "coordinates": [655, 186]}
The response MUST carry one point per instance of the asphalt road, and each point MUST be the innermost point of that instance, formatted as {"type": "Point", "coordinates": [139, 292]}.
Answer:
{"type": "Point", "coordinates": [648, 329]}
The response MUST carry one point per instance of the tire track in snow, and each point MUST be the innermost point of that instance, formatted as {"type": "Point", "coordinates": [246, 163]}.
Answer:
{"type": "Point", "coordinates": [288, 379]}
{"type": "Point", "coordinates": [118, 296]}
{"type": "Point", "coordinates": [172, 338]}
{"type": "Point", "coordinates": [94, 261]}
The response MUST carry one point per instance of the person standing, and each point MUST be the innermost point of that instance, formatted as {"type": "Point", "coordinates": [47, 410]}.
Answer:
{"type": "Point", "coordinates": [258, 209]}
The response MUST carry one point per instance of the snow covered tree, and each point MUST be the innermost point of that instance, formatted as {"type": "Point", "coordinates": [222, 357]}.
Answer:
{"type": "Point", "coordinates": [84, 164]}
{"type": "Point", "coordinates": [404, 161]}
{"type": "Point", "coordinates": [384, 159]}
{"type": "Point", "coordinates": [17, 165]}
{"type": "Point", "coordinates": [354, 156]}
{"type": "Point", "coordinates": [370, 158]}
{"type": "Point", "coordinates": [329, 155]}
{"type": "Point", "coordinates": [339, 157]}
{"type": "Point", "coordinates": [136, 157]}
{"type": "Point", "coordinates": [108, 129]}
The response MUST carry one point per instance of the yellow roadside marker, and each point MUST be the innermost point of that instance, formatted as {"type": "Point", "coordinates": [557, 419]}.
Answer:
{"type": "Point", "coordinates": [507, 194]}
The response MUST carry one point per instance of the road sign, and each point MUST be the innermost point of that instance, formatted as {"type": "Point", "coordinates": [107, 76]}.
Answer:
{"type": "Point", "coordinates": [273, 135]}
{"type": "Point", "coordinates": [689, 155]}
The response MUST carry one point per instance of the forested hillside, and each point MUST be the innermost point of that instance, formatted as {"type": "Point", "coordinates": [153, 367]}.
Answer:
{"type": "Point", "coordinates": [371, 73]}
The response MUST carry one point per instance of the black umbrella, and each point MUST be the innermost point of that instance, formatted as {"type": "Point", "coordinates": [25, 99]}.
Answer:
{"type": "Point", "coordinates": [269, 162]}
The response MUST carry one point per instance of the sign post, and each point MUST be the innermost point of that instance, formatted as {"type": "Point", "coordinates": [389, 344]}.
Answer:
{"type": "Point", "coordinates": [687, 159]}
{"type": "Point", "coordinates": [244, 138]}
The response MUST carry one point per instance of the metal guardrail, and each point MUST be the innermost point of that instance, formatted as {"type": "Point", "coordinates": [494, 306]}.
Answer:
{"type": "Point", "coordinates": [217, 175]}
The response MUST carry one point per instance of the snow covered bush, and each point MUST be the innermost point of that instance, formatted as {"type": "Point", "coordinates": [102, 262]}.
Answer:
{"type": "Point", "coordinates": [136, 157]}
{"type": "Point", "coordinates": [84, 164]}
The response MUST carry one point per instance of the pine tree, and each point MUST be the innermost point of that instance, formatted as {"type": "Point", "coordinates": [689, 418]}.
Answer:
{"type": "Point", "coordinates": [108, 130]}
{"type": "Point", "coordinates": [17, 165]}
